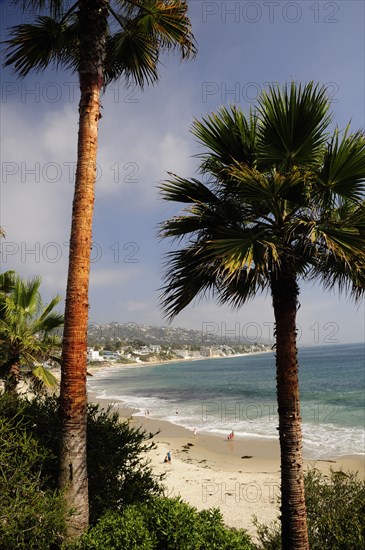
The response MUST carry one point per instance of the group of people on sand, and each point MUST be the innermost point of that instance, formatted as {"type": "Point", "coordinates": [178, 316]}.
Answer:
{"type": "Point", "coordinates": [168, 457]}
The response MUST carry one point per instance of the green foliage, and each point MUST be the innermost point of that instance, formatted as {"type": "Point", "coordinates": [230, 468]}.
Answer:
{"type": "Point", "coordinates": [335, 513]}
{"type": "Point", "coordinates": [278, 191]}
{"type": "Point", "coordinates": [174, 522]}
{"type": "Point", "coordinates": [117, 474]}
{"type": "Point", "coordinates": [214, 531]}
{"type": "Point", "coordinates": [336, 510]}
{"type": "Point", "coordinates": [31, 516]}
{"type": "Point", "coordinates": [163, 524]}
{"type": "Point", "coordinates": [33, 513]}
{"type": "Point", "coordinates": [116, 531]}
{"type": "Point", "coordinates": [136, 34]}
{"type": "Point", "coordinates": [27, 331]}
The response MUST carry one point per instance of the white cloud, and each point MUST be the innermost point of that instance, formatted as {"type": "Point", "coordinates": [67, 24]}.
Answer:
{"type": "Point", "coordinates": [112, 277]}
{"type": "Point", "coordinates": [134, 305]}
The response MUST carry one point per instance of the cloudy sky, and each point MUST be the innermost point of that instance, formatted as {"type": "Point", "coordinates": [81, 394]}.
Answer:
{"type": "Point", "coordinates": [242, 47]}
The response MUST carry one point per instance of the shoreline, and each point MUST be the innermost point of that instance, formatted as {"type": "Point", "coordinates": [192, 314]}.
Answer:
{"type": "Point", "coordinates": [115, 365]}
{"type": "Point", "coordinates": [241, 477]}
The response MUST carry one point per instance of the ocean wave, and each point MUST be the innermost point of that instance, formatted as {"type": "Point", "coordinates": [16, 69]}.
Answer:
{"type": "Point", "coordinates": [324, 441]}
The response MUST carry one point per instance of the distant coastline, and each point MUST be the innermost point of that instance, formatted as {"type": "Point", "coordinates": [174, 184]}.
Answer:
{"type": "Point", "coordinates": [100, 366]}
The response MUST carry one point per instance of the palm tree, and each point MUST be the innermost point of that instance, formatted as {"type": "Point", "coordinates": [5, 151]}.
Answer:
{"type": "Point", "coordinates": [102, 40]}
{"type": "Point", "coordinates": [284, 203]}
{"type": "Point", "coordinates": [27, 333]}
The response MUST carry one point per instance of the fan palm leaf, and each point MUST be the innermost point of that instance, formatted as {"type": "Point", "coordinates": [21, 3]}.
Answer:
{"type": "Point", "coordinates": [293, 123]}
{"type": "Point", "coordinates": [27, 331]}
{"type": "Point", "coordinates": [33, 47]}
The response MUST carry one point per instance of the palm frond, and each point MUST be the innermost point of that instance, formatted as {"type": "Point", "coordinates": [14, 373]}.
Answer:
{"type": "Point", "coordinates": [132, 54]}
{"type": "Point", "coordinates": [293, 121]}
{"type": "Point", "coordinates": [49, 323]}
{"type": "Point", "coordinates": [147, 28]}
{"type": "Point", "coordinates": [33, 47]}
{"type": "Point", "coordinates": [26, 326]}
{"type": "Point", "coordinates": [54, 7]}
{"type": "Point", "coordinates": [48, 309]}
{"type": "Point", "coordinates": [186, 191]}
{"type": "Point", "coordinates": [187, 275]}
{"type": "Point", "coordinates": [342, 240]}
{"type": "Point", "coordinates": [44, 376]}
{"type": "Point", "coordinates": [343, 170]}
{"type": "Point", "coordinates": [25, 296]}
{"type": "Point", "coordinates": [343, 273]}
{"type": "Point", "coordinates": [228, 135]}
{"type": "Point", "coordinates": [167, 22]}
{"type": "Point", "coordinates": [246, 285]}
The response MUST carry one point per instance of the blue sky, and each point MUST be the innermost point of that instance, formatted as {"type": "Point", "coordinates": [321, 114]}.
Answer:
{"type": "Point", "coordinates": [242, 46]}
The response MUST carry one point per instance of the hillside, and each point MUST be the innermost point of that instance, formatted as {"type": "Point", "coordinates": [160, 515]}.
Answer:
{"type": "Point", "coordinates": [166, 336]}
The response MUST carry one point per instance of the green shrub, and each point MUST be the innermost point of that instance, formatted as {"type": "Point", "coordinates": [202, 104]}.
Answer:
{"type": "Point", "coordinates": [218, 536]}
{"type": "Point", "coordinates": [117, 474]}
{"type": "Point", "coordinates": [163, 524]}
{"type": "Point", "coordinates": [174, 522]}
{"type": "Point", "coordinates": [179, 526]}
{"type": "Point", "coordinates": [336, 510]}
{"type": "Point", "coordinates": [31, 516]}
{"type": "Point", "coordinates": [116, 531]}
{"type": "Point", "coordinates": [335, 513]}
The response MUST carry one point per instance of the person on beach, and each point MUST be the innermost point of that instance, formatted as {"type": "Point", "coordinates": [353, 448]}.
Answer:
{"type": "Point", "coordinates": [195, 431]}
{"type": "Point", "coordinates": [168, 456]}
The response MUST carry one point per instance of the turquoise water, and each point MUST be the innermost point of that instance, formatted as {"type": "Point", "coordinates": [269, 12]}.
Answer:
{"type": "Point", "coordinates": [238, 393]}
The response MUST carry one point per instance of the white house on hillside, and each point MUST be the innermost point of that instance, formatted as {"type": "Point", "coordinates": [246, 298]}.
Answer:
{"type": "Point", "coordinates": [93, 355]}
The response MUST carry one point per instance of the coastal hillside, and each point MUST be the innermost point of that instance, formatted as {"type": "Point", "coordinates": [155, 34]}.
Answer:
{"type": "Point", "coordinates": [211, 334]}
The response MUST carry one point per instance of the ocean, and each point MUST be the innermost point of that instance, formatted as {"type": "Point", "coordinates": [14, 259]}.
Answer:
{"type": "Point", "coordinates": [238, 393]}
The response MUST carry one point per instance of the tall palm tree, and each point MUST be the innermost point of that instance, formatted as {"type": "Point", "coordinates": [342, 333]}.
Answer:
{"type": "Point", "coordinates": [102, 40]}
{"type": "Point", "coordinates": [284, 203]}
{"type": "Point", "coordinates": [27, 333]}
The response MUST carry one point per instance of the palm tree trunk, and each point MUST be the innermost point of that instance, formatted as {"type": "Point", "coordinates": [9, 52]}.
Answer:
{"type": "Point", "coordinates": [13, 376]}
{"type": "Point", "coordinates": [294, 533]}
{"type": "Point", "coordinates": [73, 398]}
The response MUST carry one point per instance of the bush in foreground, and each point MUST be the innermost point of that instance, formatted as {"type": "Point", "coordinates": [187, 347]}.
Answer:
{"type": "Point", "coordinates": [163, 524]}
{"type": "Point", "coordinates": [118, 475]}
{"type": "Point", "coordinates": [335, 512]}
{"type": "Point", "coordinates": [31, 516]}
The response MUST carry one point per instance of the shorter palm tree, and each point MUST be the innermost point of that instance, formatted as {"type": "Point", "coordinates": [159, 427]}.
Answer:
{"type": "Point", "coordinates": [27, 334]}
{"type": "Point", "coordinates": [284, 203]}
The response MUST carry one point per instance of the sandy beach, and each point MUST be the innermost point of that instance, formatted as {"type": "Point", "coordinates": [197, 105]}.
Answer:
{"type": "Point", "coordinates": [241, 477]}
